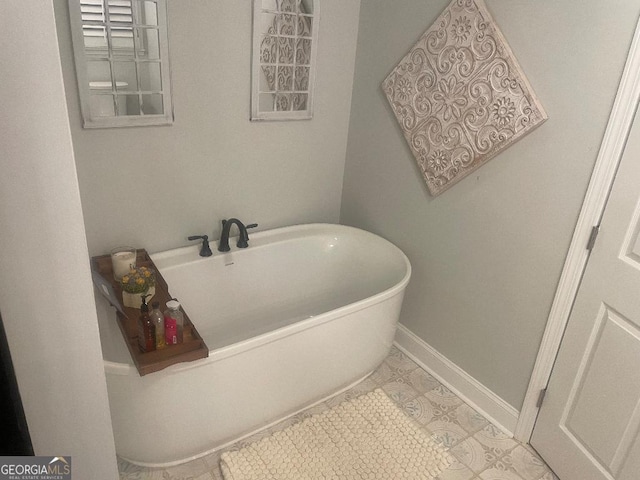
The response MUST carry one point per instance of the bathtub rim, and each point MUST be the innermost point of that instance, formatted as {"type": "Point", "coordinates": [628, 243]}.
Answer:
{"type": "Point", "coordinates": [215, 355]}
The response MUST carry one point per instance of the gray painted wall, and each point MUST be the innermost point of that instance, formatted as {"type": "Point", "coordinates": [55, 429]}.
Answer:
{"type": "Point", "coordinates": [153, 186]}
{"type": "Point", "coordinates": [487, 254]}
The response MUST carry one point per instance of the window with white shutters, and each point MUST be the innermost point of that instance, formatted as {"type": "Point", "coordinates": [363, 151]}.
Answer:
{"type": "Point", "coordinates": [122, 64]}
{"type": "Point", "coordinates": [107, 22]}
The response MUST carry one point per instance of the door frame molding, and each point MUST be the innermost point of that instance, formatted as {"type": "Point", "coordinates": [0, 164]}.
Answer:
{"type": "Point", "coordinates": [609, 156]}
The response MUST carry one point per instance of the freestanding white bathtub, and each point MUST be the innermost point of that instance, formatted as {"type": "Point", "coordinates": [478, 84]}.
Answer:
{"type": "Point", "coordinates": [301, 314]}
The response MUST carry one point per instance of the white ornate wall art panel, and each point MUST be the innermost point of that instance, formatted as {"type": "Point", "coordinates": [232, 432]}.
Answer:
{"type": "Point", "coordinates": [460, 96]}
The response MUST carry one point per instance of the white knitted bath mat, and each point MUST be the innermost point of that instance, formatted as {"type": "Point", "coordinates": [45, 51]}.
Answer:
{"type": "Point", "coordinates": [365, 438]}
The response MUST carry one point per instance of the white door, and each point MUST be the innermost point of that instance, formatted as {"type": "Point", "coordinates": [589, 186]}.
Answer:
{"type": "Point", "coordinates": [589, 424]}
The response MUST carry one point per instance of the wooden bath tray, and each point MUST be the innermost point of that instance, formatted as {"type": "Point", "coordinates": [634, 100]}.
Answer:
{"type": "Point", "coordinates": [192, 348]}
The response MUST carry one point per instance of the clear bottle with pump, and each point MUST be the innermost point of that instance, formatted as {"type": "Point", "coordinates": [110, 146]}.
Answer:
{"type": "Point", "coordinates": [173, 323]}
{"type": "Point", "coordinates": [158, 320]}
{"type": "Point", "coordinates": [146, 328]}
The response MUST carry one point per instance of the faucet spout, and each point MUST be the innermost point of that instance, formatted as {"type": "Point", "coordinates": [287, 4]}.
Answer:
{"type": "Point", "coordinates": [243, 240]}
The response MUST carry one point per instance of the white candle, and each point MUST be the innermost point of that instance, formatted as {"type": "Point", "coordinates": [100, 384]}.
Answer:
{"type": "Point", "coordinates": [122, 259]}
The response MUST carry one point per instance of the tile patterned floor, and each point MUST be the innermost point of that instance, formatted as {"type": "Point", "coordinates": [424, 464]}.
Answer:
{"type": "Point", "coordinates": [481, 450]}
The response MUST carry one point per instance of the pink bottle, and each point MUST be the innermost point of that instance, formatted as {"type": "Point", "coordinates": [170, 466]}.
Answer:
{"type": "Point", "coordinates": [173, 323]}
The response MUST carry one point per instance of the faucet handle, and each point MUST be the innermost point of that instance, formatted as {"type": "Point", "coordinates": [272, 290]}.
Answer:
{"type": "Point", "coordinates": [247, 227]}
{"type": "Point", "coordinates": [244, 236]}
{"type": "Point", "coordinates": [205, 251]}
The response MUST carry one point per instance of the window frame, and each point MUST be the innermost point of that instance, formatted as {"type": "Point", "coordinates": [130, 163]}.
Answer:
{"type": "Point", "coordinates": [110, 55]}
{"type": "Point", "coordinates": [257, 65]}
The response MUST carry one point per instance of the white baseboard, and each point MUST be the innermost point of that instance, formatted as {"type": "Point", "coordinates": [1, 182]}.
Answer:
{"type": "Point", "coordinates": [476, 395]}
